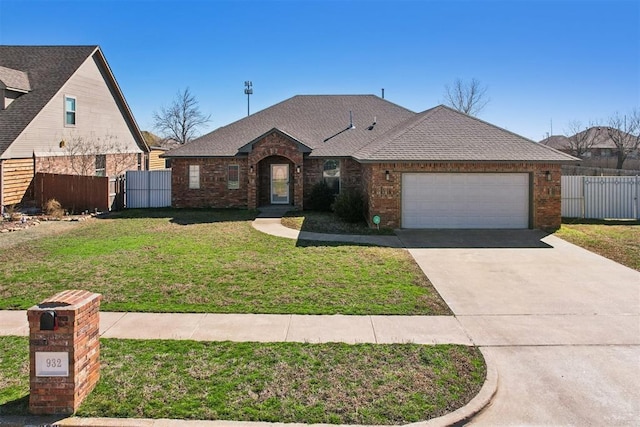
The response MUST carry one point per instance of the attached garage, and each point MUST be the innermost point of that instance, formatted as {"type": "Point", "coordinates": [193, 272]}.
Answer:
{"type": "Point", "coordinates": [465, 200]}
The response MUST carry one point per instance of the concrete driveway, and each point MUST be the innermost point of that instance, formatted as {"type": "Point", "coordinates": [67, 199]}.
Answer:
{"type": "Point", "coordinates": [561, 324]}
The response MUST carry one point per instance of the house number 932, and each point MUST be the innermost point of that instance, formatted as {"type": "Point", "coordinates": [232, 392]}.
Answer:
{"type": "Point", "coordinates": [53, 363]}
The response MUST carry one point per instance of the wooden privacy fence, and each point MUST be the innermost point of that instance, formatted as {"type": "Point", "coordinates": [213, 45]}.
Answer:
{"type": "Point", "coordinates": [149, 189]}
{"type": "Point", "coordinates": [601, 197]}
{"type": "Point", "coordinates": [78, 193]}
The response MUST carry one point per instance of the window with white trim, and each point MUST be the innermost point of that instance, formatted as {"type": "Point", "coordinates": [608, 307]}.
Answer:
{"type": "Point", "coordinates": [101, 165]}
{"type": "Point", "coordinates": [233, 177]}
{"type": "Point", "coordinates": [331, 175]}
{"type": "Point", "coordinates": [69, 111]}
{"type": "Point", "coordinates": [194, 177]}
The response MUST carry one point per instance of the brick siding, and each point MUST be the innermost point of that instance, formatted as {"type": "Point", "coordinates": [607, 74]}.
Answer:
{"type": "Point", "coordinates": [384, 196]}
{"type": "Point", "coordinates": [117, 164]}
{"type": "Point", "coordinates": [78, 334]}
{"type": "Point", "coordinates": [213, 191]}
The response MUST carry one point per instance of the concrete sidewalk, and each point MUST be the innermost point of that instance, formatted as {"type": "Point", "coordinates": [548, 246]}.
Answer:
{"type": "Point", "coordinates": [267, 327]}
{"type": "Point", "coordinates": [273, 226]}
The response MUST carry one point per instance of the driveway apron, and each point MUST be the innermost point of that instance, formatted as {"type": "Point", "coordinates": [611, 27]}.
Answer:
{"type": "Point", "coordinates": [561, 324]}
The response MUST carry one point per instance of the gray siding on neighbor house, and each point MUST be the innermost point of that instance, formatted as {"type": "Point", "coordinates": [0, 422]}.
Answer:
{"type": "Point", "coordinates": [97, 115]}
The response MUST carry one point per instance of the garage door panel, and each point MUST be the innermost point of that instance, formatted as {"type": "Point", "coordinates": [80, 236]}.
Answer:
{"type": "Point", "coordinates": [472, 200]}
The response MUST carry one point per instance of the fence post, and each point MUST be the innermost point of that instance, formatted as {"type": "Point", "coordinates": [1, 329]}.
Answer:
{"type": "Point", "coordinates": [584, 197]}
{"type": "Point", "coordinates": [636, 205]}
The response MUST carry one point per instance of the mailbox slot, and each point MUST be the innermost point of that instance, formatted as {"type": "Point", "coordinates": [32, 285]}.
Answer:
{"type": "Point", "coordinates": [48, 321]}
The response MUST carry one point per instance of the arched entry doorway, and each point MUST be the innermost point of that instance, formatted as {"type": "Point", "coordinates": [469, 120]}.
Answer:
{"type": "Point", "coordinates": [276, 184]}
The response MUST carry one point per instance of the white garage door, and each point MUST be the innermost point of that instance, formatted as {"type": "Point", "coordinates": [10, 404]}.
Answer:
{"type": "Point", "coordinates": [465, 200]}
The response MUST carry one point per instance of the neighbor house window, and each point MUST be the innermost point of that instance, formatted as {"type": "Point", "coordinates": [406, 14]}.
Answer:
{"type": "Point", "coordinates": [101, 165]}
{"type": "Point", "coordinates": [233, 174]}
{"type": "Point", "coordinates": [194, 176]}
{"type": "Point", "coordinates": [331, 175]}
{"type": "Point", "coordinates": [69, 111]}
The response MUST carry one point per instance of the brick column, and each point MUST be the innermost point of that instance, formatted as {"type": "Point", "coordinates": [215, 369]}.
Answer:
{"type": "Point", "coordinates": [64, 351]}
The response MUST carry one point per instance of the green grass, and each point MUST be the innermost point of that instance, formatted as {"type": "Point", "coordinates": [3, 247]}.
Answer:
{"type": "Point", "coordinates": [212, 261]}
{"type": "Point", "coordinates": [283, 382]}
{"type": "Point", "coordinates": [14, 375]}
{"type": "Point", "coordinates": [327, 222]}
{"type": "Point", "coordinates": [616, 240]}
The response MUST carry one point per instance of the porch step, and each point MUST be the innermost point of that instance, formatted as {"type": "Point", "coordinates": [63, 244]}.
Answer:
{"type": "Point", "coordinates": [274, 211]}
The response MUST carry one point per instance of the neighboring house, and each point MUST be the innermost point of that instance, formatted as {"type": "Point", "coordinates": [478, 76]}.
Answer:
{"type": "Point", "coordinates": [594, 143]}
{"type": "Point", "coordinates": [157, 150]}
{"type": "Point", "coordinates": [61, 111]}
{"type": "Point", "coordinates": [435, 169]}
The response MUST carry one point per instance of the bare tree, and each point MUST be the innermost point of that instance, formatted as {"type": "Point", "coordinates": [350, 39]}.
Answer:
{"type": "Point", "coordinates": [181, 119]}
{"type": "Point", "coordinates": [580, 138]}
{"type": "Point", "coordinates": [469, 98]}
{"type": "Point", "coordinates": [624, 132]}
{"type": "Point", "coordinates": [88, 156]}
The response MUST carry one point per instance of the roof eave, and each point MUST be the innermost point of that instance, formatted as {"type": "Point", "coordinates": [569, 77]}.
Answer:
{"type": "Point", "coordinates": [461, 161]}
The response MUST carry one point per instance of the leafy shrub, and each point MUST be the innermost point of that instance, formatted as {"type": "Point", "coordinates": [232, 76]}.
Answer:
{"type": "Point", "coordinates": [349, 206]}
{"type": "Point", "coordinates": [54, 208]}
{"type": "Point", "coordinates": [321, 197]}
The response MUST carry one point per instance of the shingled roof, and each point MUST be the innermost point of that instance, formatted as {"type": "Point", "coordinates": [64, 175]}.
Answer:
{"type": "Point", "coordinates": [444, 134]}
{"type": "Point", "coordinates": [319, 122]}
{"type": "Point", "coordinates": [14, 79]}
{"type": "Point", "coordinates": [48, 68]}
{"type": "Point", "coordinates": [382, 131]}
{"type": "Point", "coordinates": [594, 137]}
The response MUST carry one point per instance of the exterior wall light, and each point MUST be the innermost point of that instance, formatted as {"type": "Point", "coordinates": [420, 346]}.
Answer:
{"type": "Point", "coordinates": [298, 169]}
{"type": "Point", "coordinates": [251, 168]}
{"type": "Point", "coordinates": [386, 175]}
{"type": "Point", "coordinates": [548, 175]}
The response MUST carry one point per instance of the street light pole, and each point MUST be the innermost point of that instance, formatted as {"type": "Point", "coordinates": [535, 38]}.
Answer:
{"type": "Point", "coordinates": [248, 91]}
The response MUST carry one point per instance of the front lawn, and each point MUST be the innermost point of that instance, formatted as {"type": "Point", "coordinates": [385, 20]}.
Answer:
{"type": "Point", "coordinates": [276, 382]}
{"type": "Point", "coordinates": [212, 261]}
{"type": "Point", "coordinates": [616, 240]}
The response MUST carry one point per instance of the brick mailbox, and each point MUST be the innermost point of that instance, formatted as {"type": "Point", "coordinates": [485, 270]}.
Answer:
{"type": "Point", "coordinates": [64, 351]}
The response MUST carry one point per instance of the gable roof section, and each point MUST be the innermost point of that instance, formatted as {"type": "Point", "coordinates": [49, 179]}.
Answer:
{"type": "Point", "coordinates": [444, 134]}
{"type": "Point", "coordinates": [247, 148]}
{"type": "Point", "coordinates": [14, 79]}
{"type": "Point", "coordinates": [48, 68]}
{"type": "Point", "coordinates": [309, 120]}
{"type": "Point", "coordinates": [559, 142]}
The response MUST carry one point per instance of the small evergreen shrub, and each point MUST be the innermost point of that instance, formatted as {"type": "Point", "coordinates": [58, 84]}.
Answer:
{"type": "Point", "coordinates": [321, 197]}
{"type": "Point", "coordinates": [349, 206]}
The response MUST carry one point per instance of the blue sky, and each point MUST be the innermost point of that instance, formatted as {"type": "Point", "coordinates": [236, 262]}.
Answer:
{"type": "Point", "coordinates": [543, 61]}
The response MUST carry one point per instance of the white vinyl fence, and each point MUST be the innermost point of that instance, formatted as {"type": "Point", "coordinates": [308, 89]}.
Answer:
{"type": "Point", "coordinates": [149, 189]}
{"type": "Point", "coordinates": [601, 197]}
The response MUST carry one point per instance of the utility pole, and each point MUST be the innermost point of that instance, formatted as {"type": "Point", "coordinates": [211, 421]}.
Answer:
{"type": "Point", "coordinates": [248, 91]}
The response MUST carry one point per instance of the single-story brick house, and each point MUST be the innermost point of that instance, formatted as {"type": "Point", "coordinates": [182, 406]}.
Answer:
{"type": "Point", "coordinates": [435, 169]}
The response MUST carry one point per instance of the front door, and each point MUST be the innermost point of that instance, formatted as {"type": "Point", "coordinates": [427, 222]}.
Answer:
{"type": "Point", "coordinates": [280, 184]}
